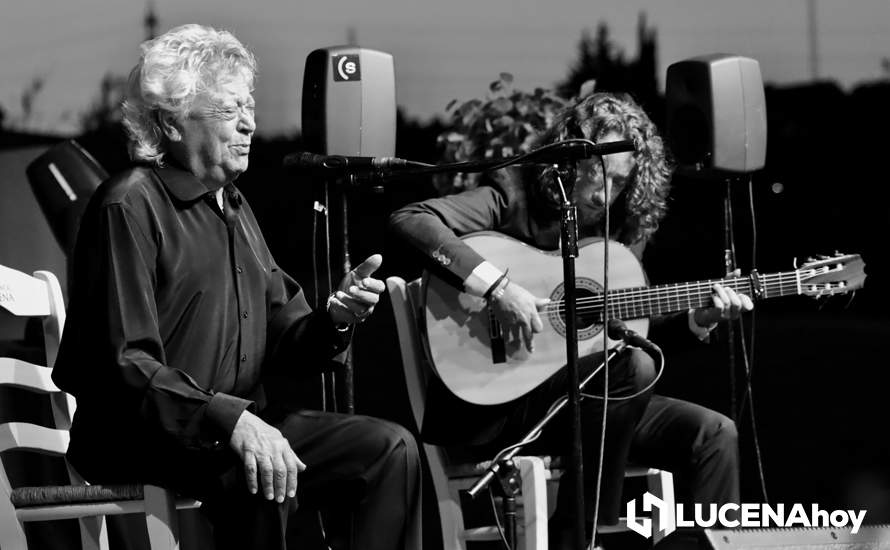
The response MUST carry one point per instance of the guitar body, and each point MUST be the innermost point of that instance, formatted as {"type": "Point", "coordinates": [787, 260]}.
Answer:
{"type": "Point", "coordinates": [479, 364]}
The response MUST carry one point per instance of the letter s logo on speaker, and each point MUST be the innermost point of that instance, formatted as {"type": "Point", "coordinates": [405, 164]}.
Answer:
{"type": "Point", "coordinates": [346, 68]}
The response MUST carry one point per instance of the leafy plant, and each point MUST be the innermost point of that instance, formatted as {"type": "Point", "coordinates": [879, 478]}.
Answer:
{"type": "Point", "coordinates": [503, 124]}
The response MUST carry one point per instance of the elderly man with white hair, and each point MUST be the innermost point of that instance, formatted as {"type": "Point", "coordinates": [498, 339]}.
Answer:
{"type": "Point", "coordinates": [178, 313]}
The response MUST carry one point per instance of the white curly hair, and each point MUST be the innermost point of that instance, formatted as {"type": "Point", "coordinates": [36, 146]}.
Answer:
{"type": "Point", "coordinates": [172, 71]}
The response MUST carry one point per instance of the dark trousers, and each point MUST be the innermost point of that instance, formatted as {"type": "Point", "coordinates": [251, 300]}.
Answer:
{"type": "Point", "coordinates": [357, 465]}
{"type": "Point", "coordinates": [698, 445]}
{"type": "Point", "coordinates": [629, 373]}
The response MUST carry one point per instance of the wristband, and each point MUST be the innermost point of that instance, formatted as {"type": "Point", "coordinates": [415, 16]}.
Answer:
{"type": "Point", "coordinates": [496, 290]}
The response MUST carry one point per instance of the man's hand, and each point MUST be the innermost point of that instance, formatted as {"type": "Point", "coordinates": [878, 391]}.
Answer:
{"type": "Point", "coordinates": [517, 311]}
{"type": "Point", "coordinates": [267, 456]}
{"type": "Point", "coordinates": [728, 304]}
{"type": "Point", "coordinates": [357, 294]}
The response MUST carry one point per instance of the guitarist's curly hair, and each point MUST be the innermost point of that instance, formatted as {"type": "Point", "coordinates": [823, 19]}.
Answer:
{"type": "Point", "coordinates": [593, 116]}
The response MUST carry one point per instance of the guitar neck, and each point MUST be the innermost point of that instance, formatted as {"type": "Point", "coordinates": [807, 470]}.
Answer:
{"type": "Point", "coordinates": [640, 302]}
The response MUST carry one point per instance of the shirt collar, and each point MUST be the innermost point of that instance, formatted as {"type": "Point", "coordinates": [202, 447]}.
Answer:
{"type": "Point", "coordinates": [188, 188]}
{"type": "Point", "coordinates": [182, 184]}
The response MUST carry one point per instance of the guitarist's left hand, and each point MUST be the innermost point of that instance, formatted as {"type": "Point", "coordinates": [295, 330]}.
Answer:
{"type": "Point", "coordinates": [728, 304]}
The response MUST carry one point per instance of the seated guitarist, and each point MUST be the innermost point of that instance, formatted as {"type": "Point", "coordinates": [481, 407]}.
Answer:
{"type": "Point", "coordinates": [697, 444]}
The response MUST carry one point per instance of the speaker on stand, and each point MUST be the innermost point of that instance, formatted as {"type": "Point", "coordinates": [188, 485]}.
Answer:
{"type": "Point", "coordinates": [349, 108]}
{"type": "Point", "coordinates": [716, 129]}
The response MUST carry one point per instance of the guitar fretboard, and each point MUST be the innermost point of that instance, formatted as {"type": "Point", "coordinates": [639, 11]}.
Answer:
{"type": "Point", "coordinates": [640, 302]}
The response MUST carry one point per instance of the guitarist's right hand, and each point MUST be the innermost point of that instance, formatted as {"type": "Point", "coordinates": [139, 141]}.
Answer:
{"type": "Point", "coordinates": [518, 312]}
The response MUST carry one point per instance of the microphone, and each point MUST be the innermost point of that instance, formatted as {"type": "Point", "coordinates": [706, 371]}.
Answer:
{"type": "Point", "coordinates": [368, 166]}
{"type": "Point", "coordinates": [572, 150]}
{"type": "Point", "coordinates": [617, 330]}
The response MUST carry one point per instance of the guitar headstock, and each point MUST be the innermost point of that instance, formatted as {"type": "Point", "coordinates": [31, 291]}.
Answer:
{"type": "Point", "coordinates": [830, 275]}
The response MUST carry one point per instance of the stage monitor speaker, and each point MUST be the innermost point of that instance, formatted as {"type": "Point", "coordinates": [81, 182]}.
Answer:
{"type": "Point", "coordinates": [870, 537]}
{"type": "Point", "coordinates": [349, 102]}
{"type": "Point", "coordinates": [716, 114]}
{"type": "Point", "coordinates": [63, 179]}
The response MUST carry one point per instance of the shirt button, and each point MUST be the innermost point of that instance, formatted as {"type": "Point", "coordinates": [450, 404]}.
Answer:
{"type": "Point", "coordinates": [244, 314]}
{"type": "Point", "coordinates": [243, 357]}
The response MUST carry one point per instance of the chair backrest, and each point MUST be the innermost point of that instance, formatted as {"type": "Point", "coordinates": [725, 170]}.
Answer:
{"type": "Point", "coordinates": [40, 295]}
{"type": "Point", "coordinates": [405, 298]}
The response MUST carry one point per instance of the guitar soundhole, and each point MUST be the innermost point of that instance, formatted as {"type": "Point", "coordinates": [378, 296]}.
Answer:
{"type": "Point", "coordinates": [587, 312]}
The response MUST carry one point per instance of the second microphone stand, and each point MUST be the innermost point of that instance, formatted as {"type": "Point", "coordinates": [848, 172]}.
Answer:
{"type": "Point", "coordinates": [569, 250]}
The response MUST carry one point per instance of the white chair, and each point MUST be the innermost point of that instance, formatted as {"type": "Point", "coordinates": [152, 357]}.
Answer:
{"type": "Point", "coordinates": [41, 296]}
{"type": "Point", "coordinates": [450, 479]}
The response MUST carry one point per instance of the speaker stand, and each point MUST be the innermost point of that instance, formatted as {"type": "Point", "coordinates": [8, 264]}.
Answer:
{"type": "Point", "coordinates": [729, 265]}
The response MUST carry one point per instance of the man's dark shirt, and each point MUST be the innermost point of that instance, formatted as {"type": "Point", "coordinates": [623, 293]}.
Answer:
{"type": "Point", "coordinates": [177, 311]}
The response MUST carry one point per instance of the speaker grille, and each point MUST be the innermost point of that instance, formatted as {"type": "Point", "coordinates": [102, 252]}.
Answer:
{"type": "Point", "coordinates": [872, 537]}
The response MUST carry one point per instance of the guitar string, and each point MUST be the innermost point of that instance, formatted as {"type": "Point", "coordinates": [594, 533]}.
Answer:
{"type": "Point", "coordinates": [771, 282]}
{"type": "Point", "coordinates": [632, 297]}
{"type": "Point", "coordinates": [629, 297]}
{"type": "Point", "coordinates": [665, 303]}
{"type": "Point", "coordinates": [637, 310]}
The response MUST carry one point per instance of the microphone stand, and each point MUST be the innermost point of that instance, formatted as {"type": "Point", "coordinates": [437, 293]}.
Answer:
{"type": "Point", "coordinates": [569, 249]}
{"type": "Point", "coordinates": [336, 397]}
{"type": "Point", "coordinates": [348, 393]}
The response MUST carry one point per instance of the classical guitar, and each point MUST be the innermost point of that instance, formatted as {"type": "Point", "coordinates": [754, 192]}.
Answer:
{"type": "Point", "coordinates": [475, 360]}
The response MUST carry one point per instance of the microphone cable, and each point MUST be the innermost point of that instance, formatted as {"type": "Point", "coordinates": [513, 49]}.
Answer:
{"type": "Point", "coordinates": [748, 351]}
{"type": "Point", "coordinates": [602, 446]}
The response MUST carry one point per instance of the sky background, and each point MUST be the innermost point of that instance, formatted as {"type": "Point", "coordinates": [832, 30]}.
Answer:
{"type": "Point", "coordinates": [442, 50]}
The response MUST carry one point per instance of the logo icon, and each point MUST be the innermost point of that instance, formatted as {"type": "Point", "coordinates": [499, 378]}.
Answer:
{"type": "Point", "coordinates": [660, 511]}
{"type": "Point", "coordinates": [346, 68]}
{"type": "Point", "coordinates": [668, 517]}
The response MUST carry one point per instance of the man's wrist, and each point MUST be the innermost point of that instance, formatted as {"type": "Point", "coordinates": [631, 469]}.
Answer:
{"type": "Point", "coordinates": [339, 326]}
{"type": "Point", "coordinates": [498, 290]}
{"type": "Point", "coordinates": [481, 278]}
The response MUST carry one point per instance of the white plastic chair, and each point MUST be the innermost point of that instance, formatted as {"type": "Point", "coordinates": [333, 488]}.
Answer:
{"type": "Point", "coordinates": [40, 296]}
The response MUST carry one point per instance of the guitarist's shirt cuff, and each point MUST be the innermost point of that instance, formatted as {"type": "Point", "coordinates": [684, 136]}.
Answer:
{"type": "Point", "coordinates": [481, 278]}
{"type": "Point", "coordinates": [700, 332]}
